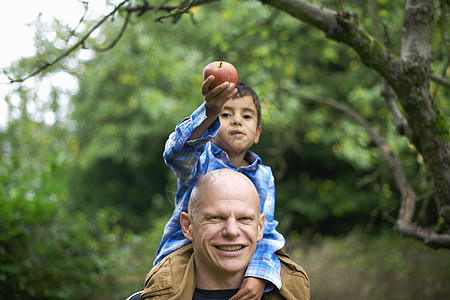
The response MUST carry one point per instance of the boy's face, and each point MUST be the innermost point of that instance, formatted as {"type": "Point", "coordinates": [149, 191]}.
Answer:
{"type": "Point", "coordinates": [239, 129]}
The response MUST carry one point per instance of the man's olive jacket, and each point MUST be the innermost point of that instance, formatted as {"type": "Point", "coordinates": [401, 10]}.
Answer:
{"type": "Point", "coordinates": [174, 278]}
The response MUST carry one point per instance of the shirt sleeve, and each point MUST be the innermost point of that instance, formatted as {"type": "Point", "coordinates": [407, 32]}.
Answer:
{"type": "Point", "coordinates": [182, 155]}
{"type": "Point", "coordinates": [264, 263]}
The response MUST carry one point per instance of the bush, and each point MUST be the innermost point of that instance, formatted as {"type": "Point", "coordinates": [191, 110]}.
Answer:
{"type": "Point", "coordinates": [50, 252]}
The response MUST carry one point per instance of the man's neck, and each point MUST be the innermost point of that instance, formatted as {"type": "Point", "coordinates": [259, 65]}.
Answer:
{"type": "Point", "coordinates": [214, 294]}
{"type": "Point", "coordinates": [208, 281]}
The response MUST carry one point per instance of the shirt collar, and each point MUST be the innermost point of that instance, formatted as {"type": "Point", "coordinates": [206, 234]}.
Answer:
{"type": "Point", "coordinates": [252, 158]}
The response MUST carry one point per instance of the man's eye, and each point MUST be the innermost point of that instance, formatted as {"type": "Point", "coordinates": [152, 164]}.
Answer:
{"type": "Point", "coordinates": [245, 219]}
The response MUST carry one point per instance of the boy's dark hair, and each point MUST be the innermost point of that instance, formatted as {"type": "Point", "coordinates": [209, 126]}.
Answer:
{"type": "Point", "coordinates": [244, 90]}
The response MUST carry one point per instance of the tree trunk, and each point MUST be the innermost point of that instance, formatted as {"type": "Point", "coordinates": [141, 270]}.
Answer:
{"type": "Point", "coordinates": [409, 77]}
{"type": "Point", "coordinates": [430, 136]}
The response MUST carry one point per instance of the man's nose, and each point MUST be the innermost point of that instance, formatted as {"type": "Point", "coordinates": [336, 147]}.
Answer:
{"type": "Point", "coordinates": [231, 228]}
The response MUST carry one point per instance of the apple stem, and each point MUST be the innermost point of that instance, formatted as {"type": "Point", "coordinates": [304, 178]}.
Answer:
{"type": "Point", "coordinates": [220, 66]}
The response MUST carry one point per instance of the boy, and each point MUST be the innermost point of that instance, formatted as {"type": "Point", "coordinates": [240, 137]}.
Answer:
{"type": "Point", "coordinates": [218, 135]}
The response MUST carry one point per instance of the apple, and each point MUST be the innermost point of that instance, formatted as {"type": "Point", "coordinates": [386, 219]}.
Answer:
{"type": "Point", "coordinates": [222, 72]}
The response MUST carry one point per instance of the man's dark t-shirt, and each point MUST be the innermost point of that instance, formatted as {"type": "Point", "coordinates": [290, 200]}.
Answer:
{"type": "Point", "coordinates": [200, 294]}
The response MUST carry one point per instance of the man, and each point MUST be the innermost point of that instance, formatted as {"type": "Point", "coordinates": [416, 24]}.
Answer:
{"type": "Point", "coordinates": [224, 224]}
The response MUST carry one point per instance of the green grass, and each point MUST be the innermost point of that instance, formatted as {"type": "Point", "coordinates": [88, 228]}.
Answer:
{"type": "Point", "coordinates": [363, 266]}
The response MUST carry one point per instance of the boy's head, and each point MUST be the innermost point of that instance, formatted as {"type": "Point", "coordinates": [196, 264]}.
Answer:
{"type": "Point", "coordinates": [244, 90]}
{"type": "Point", "coordinates": [240, 122]}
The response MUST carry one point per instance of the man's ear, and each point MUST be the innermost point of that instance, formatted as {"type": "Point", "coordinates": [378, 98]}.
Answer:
{"type": "Point", "coordinates": [185, 222]}
{"type": "Point", "coordinates": [262, 219]}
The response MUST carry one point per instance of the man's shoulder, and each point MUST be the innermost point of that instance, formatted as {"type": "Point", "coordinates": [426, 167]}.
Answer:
{"type": "Point", "coordinates": [290, 265]}
{"type": "Point", "coordinates": [295, 281]}
{"type": "Point", "coordinates": [171, 277]}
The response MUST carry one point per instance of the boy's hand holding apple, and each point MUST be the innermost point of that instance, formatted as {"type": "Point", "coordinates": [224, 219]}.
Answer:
{"type": "Point", "coordinates": [219, 86]}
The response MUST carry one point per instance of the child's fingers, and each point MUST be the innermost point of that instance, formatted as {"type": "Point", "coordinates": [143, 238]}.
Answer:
{"type": "Point", "coordinates": [211, 94]}
{"type": "Point", "coordinates": [243, 295]}
{"type": "Point", "coordinates": [221, 88]}
{"type": "Point", "coordinates": [227, 90]}
{"type": "Point", "coordinates": [220, 93]}
{"type": "Point", "coordinates": [251, 289]}
{"type": "Point", "coordinates": [206, 84]}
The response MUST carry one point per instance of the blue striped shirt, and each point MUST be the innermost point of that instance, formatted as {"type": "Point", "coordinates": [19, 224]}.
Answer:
{"type": "Point", "coordinates": [192, 159]}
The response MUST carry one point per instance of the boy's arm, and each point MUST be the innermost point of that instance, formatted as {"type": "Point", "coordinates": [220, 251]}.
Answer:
{"type": "Point", "coordinates": [264, 263]}
{"type": "Point", "coordinates": [185, 144]}
{"type": "Point", "coordinates": [215, 99]}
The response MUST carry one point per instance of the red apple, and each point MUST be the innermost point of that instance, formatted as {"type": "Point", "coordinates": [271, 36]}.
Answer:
{"type": "Point", "coordinates": [222, 72]}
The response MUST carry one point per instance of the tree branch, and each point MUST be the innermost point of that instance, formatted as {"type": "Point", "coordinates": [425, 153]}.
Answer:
{"type": "Point", "coordinates": [343, 27]}
{"type": "Point", "coordinates": [73, 31]}
{"type": "Point", "coordinates": [428, 236]}
{"type": "Point", "coordinates": [71, 49]}
{"type": "Point", "coordinates": [174, 11]}
{"type": "Point", "coordinates": [177, 13]}
{"type": "Point", "coordinates": [404, 220]}
{"type": "Point", "coordinates": [141, 9]}
{"type": "Point", "coordinates": [119, 36]}
{"type": "Point", "coordinates": [440, 80]}
{"type": "Point", "coordinates": [312, 14]}
{"type": "Point", "coordinates": [442, 76]}
{"type": "Point", "coordinates": [389, 96]}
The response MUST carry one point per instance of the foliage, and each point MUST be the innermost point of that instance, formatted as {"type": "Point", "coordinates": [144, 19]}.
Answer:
{"type": "Point", "coordinates": [46, 250]}
{"type": "Point", "coordinates": [72, 189]}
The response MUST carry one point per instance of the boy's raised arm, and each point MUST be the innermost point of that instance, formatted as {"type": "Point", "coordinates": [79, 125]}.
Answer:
{"type": "Point", "coordinates": [215, 99]}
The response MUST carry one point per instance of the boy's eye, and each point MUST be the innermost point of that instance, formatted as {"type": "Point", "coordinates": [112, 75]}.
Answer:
{"type": "Point", "coordinates": [225, 115]}
{"type": "Point", "coordinates": [247, 117]}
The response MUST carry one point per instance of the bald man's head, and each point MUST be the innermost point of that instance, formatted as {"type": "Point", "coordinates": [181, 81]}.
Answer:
{"type": "Point", "coordinates": [223, 182]}
{"type": "Point", "coordinates": [224, 224]}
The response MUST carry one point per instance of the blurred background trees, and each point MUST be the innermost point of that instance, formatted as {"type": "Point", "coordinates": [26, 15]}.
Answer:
{"type": "Point", "coordinates": [84, 196]}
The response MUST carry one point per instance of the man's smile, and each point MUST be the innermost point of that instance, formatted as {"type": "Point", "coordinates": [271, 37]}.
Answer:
{"type": "Point", "coordinates": [230, 247]}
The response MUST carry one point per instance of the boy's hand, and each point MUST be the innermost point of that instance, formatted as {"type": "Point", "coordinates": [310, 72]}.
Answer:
{"type": "Point", "coordinates": [251, 288]}
{"type": "Point", "coordinates": [216, 98]}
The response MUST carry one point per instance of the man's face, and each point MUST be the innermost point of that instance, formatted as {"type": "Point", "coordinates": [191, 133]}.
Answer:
{"type": "Point", "coordinates": [225, 229]}
{"type": "Point", "coordinates": [239, 129]}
